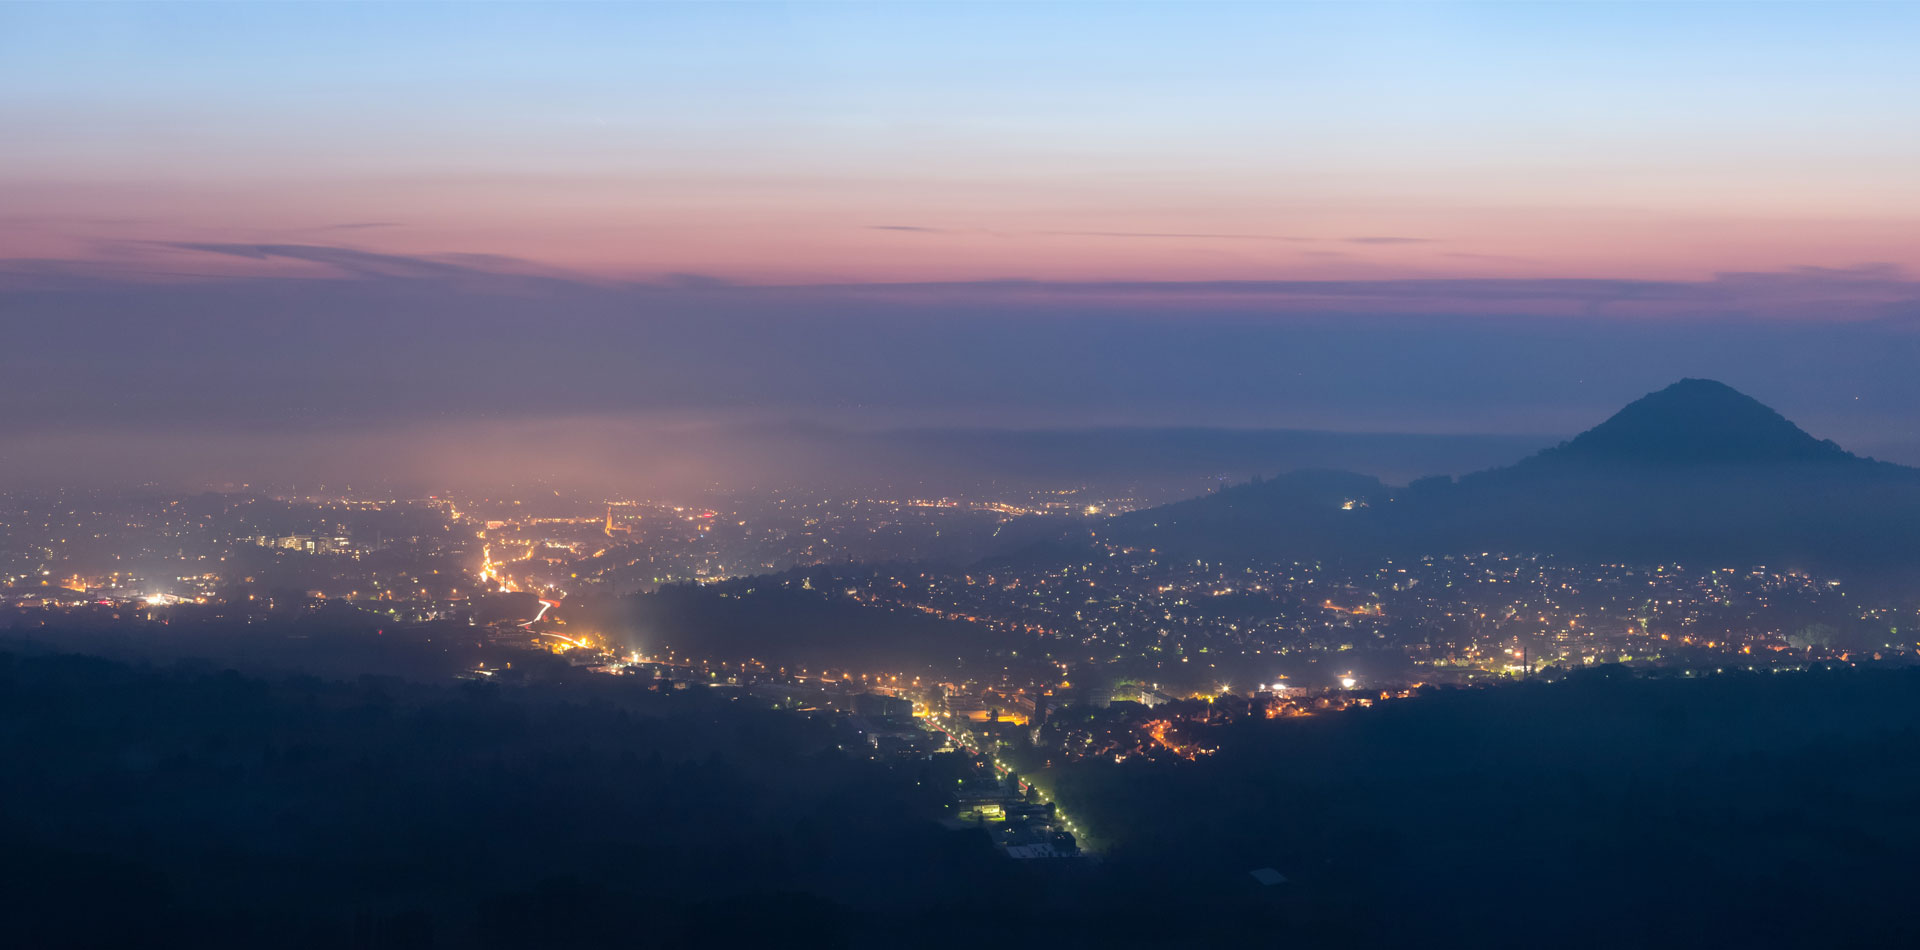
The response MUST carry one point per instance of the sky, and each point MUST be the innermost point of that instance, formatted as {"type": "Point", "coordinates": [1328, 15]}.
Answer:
{"type": "Point", "coordinates": [1427, 217]}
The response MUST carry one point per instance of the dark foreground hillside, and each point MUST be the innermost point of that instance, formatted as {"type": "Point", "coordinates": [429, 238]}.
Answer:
{"type": "Point", "coordinates": [181, 805]}
{"type": "Point", "coordinates": [185, 806]}
{"type": "Point", "coordinates": [1743, 809]}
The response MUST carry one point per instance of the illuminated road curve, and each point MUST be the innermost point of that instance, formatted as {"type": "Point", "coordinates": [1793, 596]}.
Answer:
{"type": "Point", "coordinates": [545, 605]}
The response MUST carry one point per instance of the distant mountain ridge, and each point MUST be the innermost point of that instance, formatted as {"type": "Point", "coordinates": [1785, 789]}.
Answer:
{"type": "Point", "coordinates": [1695, 471]}
{"type": "Point", "coordinates": [1695, 421]}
